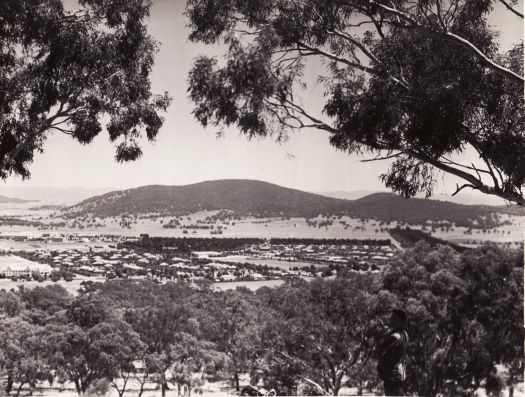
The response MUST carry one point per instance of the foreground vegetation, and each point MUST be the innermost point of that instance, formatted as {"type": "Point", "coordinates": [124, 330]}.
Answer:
{"type": "Point", "coordinates": [315, 337]}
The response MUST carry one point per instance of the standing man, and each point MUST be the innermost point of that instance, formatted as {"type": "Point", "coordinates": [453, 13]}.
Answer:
{"type": "Point", "coordinates": [391, 365]}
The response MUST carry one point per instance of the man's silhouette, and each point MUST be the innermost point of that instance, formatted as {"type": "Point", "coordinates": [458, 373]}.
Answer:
{"type": "Point", "coordinates": [392, 352]}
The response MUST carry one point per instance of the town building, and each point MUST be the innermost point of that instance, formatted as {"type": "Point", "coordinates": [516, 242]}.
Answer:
{"type": "Point", "coordinates": [15, 266]}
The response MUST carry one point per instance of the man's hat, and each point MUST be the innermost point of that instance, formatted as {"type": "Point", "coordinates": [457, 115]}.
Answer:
{"type": "Point", "coordinates": [400, 314]}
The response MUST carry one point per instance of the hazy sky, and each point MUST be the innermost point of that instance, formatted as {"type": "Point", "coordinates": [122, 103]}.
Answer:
{"type": "Point", "coordinates": [184, 152]}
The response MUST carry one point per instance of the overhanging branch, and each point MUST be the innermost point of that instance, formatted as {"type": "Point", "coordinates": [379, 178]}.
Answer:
{"type": "Point", "coordinates": [473, 181]}
{"type": "Point", "coordinates": [511, 9]}
{"type": "Point", "coordinates": [484, 59]}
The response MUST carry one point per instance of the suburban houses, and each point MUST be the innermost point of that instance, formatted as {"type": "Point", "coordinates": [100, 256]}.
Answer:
{"type": "Point", "coordinates": [63, 256]}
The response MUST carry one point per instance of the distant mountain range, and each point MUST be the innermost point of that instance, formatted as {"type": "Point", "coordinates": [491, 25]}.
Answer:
{"type": "Point", "coordinates": [463, 198]}
{"type": "Point", "coordinates": [51, 195]}
{"type": "Point", "coordinates": [13, 200]}
{"type": "Point", "coordinates": [249, 197]}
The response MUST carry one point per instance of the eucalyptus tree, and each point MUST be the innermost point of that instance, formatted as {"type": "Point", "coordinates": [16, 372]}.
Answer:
{"type": "Point", "coordinates": [233, 322]}
{"type": "Point", "coordinates": [88, 355]}
{"type": "Point", "coordinates": [465, 318]}
{"type": "Point", "coordinates": [69, 70]}
{"type": "Point", "coordinates": [418, 82]}
{"type": "Point", "coordinates": [23, 357]}
{"type": "Point", "coordinates": [320, 335]}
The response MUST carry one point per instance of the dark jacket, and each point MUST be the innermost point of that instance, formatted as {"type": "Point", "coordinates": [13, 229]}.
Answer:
{"type": "Point", "coordinates": [392, 352]}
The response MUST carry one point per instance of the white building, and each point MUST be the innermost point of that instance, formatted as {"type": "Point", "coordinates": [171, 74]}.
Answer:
{"type": "Point", "coordinates": [15, 266]}
{"type": "Point", "coordinates": [227, 277]}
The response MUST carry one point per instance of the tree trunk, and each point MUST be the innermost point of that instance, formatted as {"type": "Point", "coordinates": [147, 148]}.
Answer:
{"type": "Point", "coordinates": [9, 385]}
{"type": "Point", "coordinates": [19, 390]}
{"type": "Point", "coordinates": [142, 381]}
{"type": "Point", "coordinates": [83, 388]}
{"type": "Point", "coordinates": [77, 386]}
{"type": "Point", "coordinates": [236, 380]}
{"type": "Point", "coordinates": [125, 382]}
{"type": "Point", "coordinates": [141, 390]}
{"type": "Point", "coordinates": [164, 387]}
{"type": "Point", "coordinates": [336, 382]}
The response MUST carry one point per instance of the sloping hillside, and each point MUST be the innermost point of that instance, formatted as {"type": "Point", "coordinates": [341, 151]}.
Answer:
{"type": "Point", "coordinates": [241, 196]}
{"type": "Point", "coordinates": [248, 197]}
{"type": "Point", "coordinates": [389, 207]}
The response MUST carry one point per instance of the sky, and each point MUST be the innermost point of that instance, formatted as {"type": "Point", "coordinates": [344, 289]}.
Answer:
{"type": "Point", "coordinates": [185, 152]}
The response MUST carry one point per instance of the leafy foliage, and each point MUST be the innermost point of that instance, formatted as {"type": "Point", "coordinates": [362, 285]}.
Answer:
{"type": "Point", "coordinates": [74, 70]}
{"type": "Point", "coordinates": [418, 81]}
{"type": "Point", "coordinates": [465, 328]}
{"type": "Point", "coordinates": [322, 330]}
{"type": "Point", "coordinates": [463, 323]}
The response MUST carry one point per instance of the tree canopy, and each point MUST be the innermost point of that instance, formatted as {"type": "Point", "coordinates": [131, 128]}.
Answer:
{"type": "Point", "coordinates": [69, 71]}
{"type": "Point", "coordinates": [420, 82]}
{"type": "Point", "coordinates": [302, 338]}
{"type": "Point", "coordinates": [454, 302]}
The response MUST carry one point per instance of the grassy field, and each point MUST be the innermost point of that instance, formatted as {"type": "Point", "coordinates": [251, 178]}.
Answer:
{"type": "Point", "coordinates": [71, 286]}
{"type": "Point", "coordinates": [286, 265]}
{"type": "Point", "coordinates": [74, 286]}
{"type": "Point", "coordinates": [249, 227]}
{"type": "Point", "coordinates": [212, 389]}
{"type": "Point", "coordinates": [215, 389]}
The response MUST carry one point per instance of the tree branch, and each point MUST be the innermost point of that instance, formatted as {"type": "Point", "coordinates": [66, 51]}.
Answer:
{"type": "Point", "coordinates": [484, 59]}
{"type": "Point", "coordinates": [334, 57]}
{"type": "Point", "coordinates": [316, 385]}
{"type": "Point", "coordinates": [460, 188]}
{"type": "Point", "coordinates": [377, 158]}
{"type": "Point", "coordinates": [369, 54]}
{"type": "Point", "coordinates": [511, 9]}
{"type": "Point", "coordinates": [30, 136]}
{"type": "Point", "coordinates": [477, 183]}
{"type": "Point", "coordinates": [64, 131]}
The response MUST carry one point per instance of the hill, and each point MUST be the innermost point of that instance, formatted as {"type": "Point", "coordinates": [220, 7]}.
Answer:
{"type": "Point", "coordinates": [249, 197]}
{"type": "Point", "coordinates": [388, 207]}
{"type": "Point", "coordinates": [464, 198]}
{"type": "Point", "coordinates": [353, 195]}
{"type": "Point", "coordinates": [244, 197]}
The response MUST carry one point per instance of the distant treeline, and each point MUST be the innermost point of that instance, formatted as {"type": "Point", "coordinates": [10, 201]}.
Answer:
{"type": "Point", "coordinates": [408, 237]}
{"type": "Point", "coordinates": [188, 244]}
{"type": "Point", "coordinates": [329, 241]}
{"type": "Point", "coordinates": [15, 221]}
